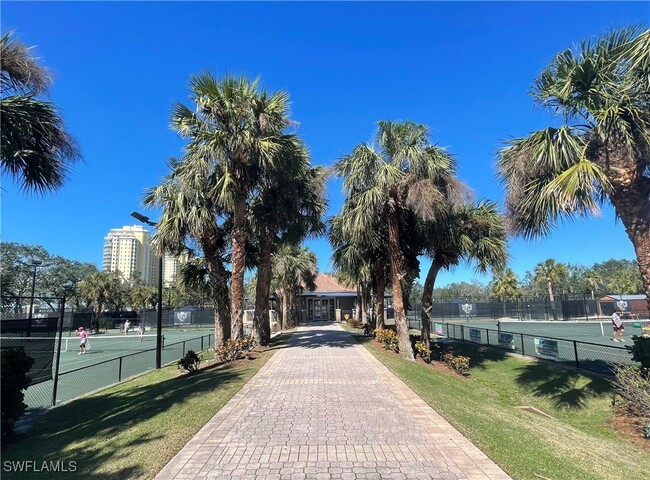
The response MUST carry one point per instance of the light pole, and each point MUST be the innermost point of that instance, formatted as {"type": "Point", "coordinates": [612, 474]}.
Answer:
{"type": "Point", "coordinates": [145, 219]}
{"type": "Point", "coordinates": [35, 264]}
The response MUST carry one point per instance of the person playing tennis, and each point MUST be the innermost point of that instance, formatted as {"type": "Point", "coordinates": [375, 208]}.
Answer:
{"type": "Point", "coordinates": [141, 331]}
{"type": "Point", "coordinates": [83, 340]}
{"type": "Point", "coordinates": [618, 326]}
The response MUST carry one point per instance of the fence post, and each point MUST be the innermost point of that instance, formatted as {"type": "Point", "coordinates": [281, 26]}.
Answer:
{"type": "Point", "coordinates": [487, 335]}
{"type": "Point", "coordinates": [575, 351]}
{"type": "Point", "coordinates": [462, 333]}
{"type": "Point", "coordinates": [522, 345]}
{"type": "Point", "coordinates": [183, 347]}
{"type": "Point", "coordinates": [201, 342]}
{"type": "Point", "coordinates": [55, 386]}
{"type": "Point", "coordinates": [119, 373]}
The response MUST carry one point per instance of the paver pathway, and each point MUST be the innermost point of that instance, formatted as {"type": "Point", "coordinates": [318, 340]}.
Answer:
{"type": "Point", "coordinates": [325, 408]}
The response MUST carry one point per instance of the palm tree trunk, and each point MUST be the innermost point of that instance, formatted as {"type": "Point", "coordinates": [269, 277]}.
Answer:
{"type": "Point", "coordinates": [551, 297]}
{"type": "Point", "coordinates": [397, 273]}
{"type": "Point", "coordinates": [221, 302]}
{"type": "Point", "coordinates": [261, 324]}
{"type": "Point", "coordinates": [380, 287]}
{"type": "Point", "coordinates": [427, 303]}
{"type": "Point", "coordinates": [633, 207]}
{"type": "Point", "coordinates": [285, 309]}
{"type": "Point", "coordinates": [357, 305]}
{"type": "Point", "coordinates": [364, 304]}
{"type": "Point", "coordinates": [238, 261]}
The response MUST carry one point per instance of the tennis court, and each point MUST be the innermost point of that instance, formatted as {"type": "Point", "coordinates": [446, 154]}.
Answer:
{"type": "Point", "coordinates": [110, 359]}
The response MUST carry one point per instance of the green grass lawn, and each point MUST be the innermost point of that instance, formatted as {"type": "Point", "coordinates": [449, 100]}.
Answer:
{"type": "Point", "coordinates": [133, 429]}
{"type": "Point", "coordinates": [575, 443]}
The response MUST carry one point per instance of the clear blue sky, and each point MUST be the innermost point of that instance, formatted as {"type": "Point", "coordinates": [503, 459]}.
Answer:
{"type": "Point", "coordinates": [462, 68]}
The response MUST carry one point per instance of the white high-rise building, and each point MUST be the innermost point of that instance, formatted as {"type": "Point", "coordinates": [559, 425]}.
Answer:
{"type": "Point", "coordinates": [128, 250]}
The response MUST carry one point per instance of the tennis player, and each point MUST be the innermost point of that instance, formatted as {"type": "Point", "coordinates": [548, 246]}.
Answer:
{"type": "Point", "coordinates": [83, 339]}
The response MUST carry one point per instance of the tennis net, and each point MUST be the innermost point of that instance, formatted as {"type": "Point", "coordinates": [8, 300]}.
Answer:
{"type": "Point", "coordinates": [116, 343]}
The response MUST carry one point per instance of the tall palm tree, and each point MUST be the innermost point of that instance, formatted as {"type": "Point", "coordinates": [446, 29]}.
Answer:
{"type": "Point", "coordinates": [288, 207]}
{"type": "Point", "coordinates": [602, 90]}
{"type": "Point", "coordinates": [400, 175]}
{"type": "Point", "coordinates": [192, 217]}
{"type": "Point", "coordinates": [471, 232]}
{"type": "Point", "coordinates": [505, 286]}
{"type": "Point", "coordinates": [240, 127]}
{"type": "Point", "coordinates": [36, 150]}
{"type": "Point", "coordinates": [143, 296]}
{"type": "Point", "coordinates": [594, 282]}
{"type": "Point", "coordinates": [551, 273]}
{"type": "Point", "coordinates": [294, 270]}
{"type": "Point", "coordinates": [97, 288]}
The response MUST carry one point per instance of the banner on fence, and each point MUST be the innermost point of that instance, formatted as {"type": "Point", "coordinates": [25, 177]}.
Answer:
{"type": "Point", "coordinates": [506, 340]}
{"type": "Point", "coordinates": [546, 348]}
{"type": "Point", "coordinates": [475, 335]}
{"type": "Point", "coordinates": [437, 328]}
{"type": "Point", "coordinates": [467, 309]}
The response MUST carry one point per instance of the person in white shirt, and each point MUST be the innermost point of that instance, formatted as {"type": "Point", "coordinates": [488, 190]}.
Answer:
{"type": "Point", "coordinates": [617, 325]}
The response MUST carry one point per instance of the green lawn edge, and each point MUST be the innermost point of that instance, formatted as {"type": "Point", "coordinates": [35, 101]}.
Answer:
{"type": "Point", "coordinates": [575, 443]}
{"type": "Point", "coordinates": [133, 429]}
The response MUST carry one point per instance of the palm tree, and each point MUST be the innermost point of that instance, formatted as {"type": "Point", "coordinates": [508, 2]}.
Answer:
{"type": "Point", "coordinates": [505, 286]}
{"type": "Point", "coordinates": [471, 232]}
{"type": "Point", "coordinates": [191, 216]}
{"type": "Point", "coordinates": [551, 273]}
{"type": "Point", "coordinates": [35, 148]}
{"type": "Point", "coordinates": [602, 90]}
{"type": "Point", "coordinates": [288, 207]}
{"type": "Point", "coordinates": [402, 176]}
{"type": "Point", "coordinates": [143, 296]}
{"type": "Point", "coordinates": [594, 282]}
{"type": "Point", "coordinates": [97, 288]}
{"type": "Point", "coordinates": [237, 126]}
{"type": "Point", "coordinates": [294, 270]}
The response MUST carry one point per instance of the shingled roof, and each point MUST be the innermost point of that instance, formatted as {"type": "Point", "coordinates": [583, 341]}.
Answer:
{"type": "Point", "coordinates": [327, 283]}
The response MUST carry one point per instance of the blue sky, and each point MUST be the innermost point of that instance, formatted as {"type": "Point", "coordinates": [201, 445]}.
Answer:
{"type": "Point", "coordinates": [462, 68]}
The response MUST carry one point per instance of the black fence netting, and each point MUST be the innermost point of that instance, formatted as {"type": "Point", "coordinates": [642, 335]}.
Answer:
{"type": "Point", "coordinates": [36, 337]}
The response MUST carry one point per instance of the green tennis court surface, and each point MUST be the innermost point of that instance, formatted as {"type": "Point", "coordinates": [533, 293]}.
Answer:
{"type": "Point", "coordinates": [599, 332]}
{"type": "Point", "coordinates": [112, 359]}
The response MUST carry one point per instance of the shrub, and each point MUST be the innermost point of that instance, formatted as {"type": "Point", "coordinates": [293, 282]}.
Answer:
{"type": "Point", "coordinates": [353, 322]}
{"type": "Point", "coordinates": [15, 366]}
{"type": "Point", "coordinates": [389, 339]}
{"type": "Point", "coordinates": [369, 330]}
{"type": "Point", "coordinates": [458, 364]}
{"type": "Point", "coordinates": [633, 385]}
{"type": "Point", "coordinates": [232, 349]}
{"type": "Point", "coordinates": [423, 351]}
{"type": "Point", "coordinates": [641, 351]}
{"type": "Point", "coordinates": [190, 362]}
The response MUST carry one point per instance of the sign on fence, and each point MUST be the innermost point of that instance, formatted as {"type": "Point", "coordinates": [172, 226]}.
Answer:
{"type": "Point", "coordinates": [506, 340]}
{"type": "Point", "coordinates": [437, 327]}
{"type": "Point", "coordinates": [467, 310]}
{"type": "Point", "coordinates": [546, 348]}
{"type": "Point", "coordinates": [475, 335]}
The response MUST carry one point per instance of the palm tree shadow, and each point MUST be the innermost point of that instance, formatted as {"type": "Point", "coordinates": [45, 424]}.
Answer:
{"type": "Point", "coordinates": [561, 385]}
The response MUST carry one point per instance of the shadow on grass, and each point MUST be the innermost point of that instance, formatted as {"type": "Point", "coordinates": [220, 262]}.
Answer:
{"type": "Point", "coordinates": [109, 415]}
{"type": "Point", "coordinates": [561, 385]}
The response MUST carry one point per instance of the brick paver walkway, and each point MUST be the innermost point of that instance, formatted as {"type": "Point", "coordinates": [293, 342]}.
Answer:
{"type": "Point", "coordinates": [325, 408]}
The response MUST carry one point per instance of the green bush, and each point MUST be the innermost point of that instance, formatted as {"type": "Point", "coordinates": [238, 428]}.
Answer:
{"type": "Point", "coordinates": [232, 349]}
{"type": "Point", "coordinates": [458, 363]}
{"type": "Point", "coordinates": [353, 322]}
{"type": "Point", "coordinates": [190, 362]}
{"type": "Point", "coordinates": [641, 351]}
{"type": "Point", "coordinates": [423, 351]}
{"type": "Point", "coordinates": [388, 338]}
{"type": "Point", "coordinates": [15, 365]}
